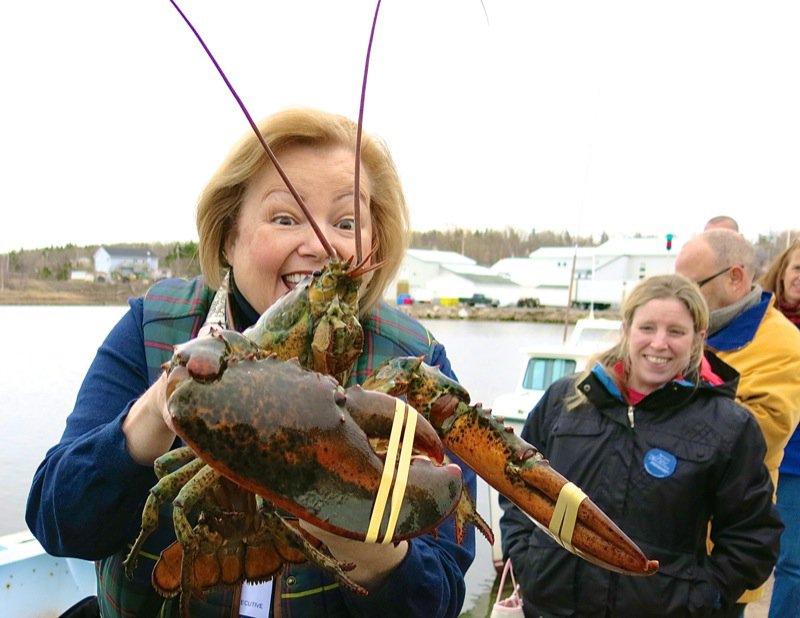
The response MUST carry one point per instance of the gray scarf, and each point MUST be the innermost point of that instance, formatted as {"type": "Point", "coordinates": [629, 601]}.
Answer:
{"type": "Point", "coordinates": [720, 318]}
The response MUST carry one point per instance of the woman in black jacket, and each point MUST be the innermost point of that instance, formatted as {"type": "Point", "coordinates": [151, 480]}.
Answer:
{"type": "Point", "coordinates": [652, 435]}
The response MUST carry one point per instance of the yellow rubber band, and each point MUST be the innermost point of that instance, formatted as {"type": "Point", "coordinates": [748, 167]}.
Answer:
{"type": "Point", "coordinates": [565, 514]}
{"type": "Point", "coordinates": [388, 473]}
{"type": "Point", "coordinates": [399, 490]}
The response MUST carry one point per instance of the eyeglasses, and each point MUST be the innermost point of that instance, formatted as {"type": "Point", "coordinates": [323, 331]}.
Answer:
{"type": "Point", "coordinates": [702, 282]}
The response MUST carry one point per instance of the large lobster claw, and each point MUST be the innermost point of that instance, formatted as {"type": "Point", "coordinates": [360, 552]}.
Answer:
{"type": "Point", "coordinates": [512, 466]}
{"type": "Point", "coordinates": [297, 438]}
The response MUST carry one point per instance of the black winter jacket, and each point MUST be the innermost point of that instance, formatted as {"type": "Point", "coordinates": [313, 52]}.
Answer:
{"type": "Point", "coordinates": [661, 469]}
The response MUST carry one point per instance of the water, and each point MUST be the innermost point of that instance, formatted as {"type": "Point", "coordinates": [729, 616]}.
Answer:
{"type": "Point", "coordinates": [47, 353]}
{"type": "Point", "coordinates": [49, 349]}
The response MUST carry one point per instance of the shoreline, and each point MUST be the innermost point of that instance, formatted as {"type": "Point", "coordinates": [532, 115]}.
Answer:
{"type": "Point", "coordinates": [36, 292]}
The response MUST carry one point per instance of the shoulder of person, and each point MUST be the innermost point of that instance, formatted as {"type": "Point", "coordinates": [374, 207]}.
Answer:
{"type": "Point", "coordinates": [403, 330]}
{"type": "Point", "coordinates": [778, 327]}
{"type": "Point", "coordinates": [725, 372]}
{"type": "Point", "coordinates": [172, 298]}
{"type": "Point", "coordinates": [555, 394]}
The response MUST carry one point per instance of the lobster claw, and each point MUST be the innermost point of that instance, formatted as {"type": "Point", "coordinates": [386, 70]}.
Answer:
{"type": "Point", "coordinates": [377, 421]}
{"type": "Point", "coordinates": [519, 472]}
{"type": "Point", "coordinates": [298, 439]}
{"type": "Point", "coordinates": [512, 466]}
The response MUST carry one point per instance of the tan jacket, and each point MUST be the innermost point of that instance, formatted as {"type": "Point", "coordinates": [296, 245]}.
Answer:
{"type": "Point", "coordinates": [769, 384]}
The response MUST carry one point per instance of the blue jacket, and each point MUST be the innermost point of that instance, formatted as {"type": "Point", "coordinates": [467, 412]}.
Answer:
{"type": "Point", "coordinates": [791, 455]}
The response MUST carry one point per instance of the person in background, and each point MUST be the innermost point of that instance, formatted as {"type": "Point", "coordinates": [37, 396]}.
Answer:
{"type": "Point", "coordinates": [783, 279]}
{"type": "Point", "coordinates": [255, 245]}
{"type": "Point", "coordinates": [751, 335]}
{"type": "Point", "coordinates": [721, 222]}
{"type": "Point", "coordinates": [651, 433]}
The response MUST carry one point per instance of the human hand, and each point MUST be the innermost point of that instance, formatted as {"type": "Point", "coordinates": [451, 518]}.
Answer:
{"type": "Point", "coordinates": [148, 427]}
{"type": "Point", "coordinates": [374, 561]}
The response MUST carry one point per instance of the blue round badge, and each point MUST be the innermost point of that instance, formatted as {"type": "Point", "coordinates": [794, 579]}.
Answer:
{"type": "Point", "coordinates": [659, 463]}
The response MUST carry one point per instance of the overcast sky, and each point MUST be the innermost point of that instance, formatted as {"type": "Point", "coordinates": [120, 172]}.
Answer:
{"type": "Point", "coordinates": [590, 116]}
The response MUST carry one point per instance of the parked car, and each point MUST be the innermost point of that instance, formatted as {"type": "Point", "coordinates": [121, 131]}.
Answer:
{"type": "Point", "coordinates": [479, 299]}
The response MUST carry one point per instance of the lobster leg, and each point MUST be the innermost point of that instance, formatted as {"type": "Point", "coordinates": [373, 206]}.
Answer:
{"type": "Point", "coordinates": [294, 542]}
{"type": "Point", "coordinates": [166, 489]}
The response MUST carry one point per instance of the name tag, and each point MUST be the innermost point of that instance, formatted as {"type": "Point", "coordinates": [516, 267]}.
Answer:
{"type": "Point", "coordinates": [256, 600]}
{"type": "Point", "coordinates": [659, 463]}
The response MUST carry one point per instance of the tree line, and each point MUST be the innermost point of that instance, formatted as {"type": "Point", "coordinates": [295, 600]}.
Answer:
{"type": "Point", "coordinates": [484, 246]}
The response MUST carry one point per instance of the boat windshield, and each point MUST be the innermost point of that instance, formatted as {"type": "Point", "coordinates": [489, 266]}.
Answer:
{"type": "Point", "coordinates": [542, 372]}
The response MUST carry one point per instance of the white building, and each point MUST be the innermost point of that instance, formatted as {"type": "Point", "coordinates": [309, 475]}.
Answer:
{"type": "Point", "coordinates": [125, 261]}
{"type": "Point", "coordinates": [429, 275]}
{"type": "Point", "coordinates": [602, 275]}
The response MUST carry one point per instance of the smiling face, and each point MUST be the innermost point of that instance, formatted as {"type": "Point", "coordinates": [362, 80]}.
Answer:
{"type": "Point", "coordinates": [661, 336]}
{"type": "Point", "coordinates": [791, 279]}
{"type": "Point", "coordinates": [273, 246]}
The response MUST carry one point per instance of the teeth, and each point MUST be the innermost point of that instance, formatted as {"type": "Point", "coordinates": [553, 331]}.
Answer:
{"type": "Point", "coordinates": [657, 360]}
{"type": "Point", "coordinates": [294, 278]}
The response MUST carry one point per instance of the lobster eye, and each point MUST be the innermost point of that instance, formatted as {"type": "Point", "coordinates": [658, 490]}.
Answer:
{"type": "Point", "coordinates": [317, 273]}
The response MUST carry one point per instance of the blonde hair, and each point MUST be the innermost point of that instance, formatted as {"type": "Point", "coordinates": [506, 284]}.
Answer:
{"type": "Point", "coordinates": [772, 280]}
{"type": "Point", "coordinates": [219, 204]}
{"type": "Point", "coordinates": [659, 287]}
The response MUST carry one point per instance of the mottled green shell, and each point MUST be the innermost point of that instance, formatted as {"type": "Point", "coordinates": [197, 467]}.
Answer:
{"type": "Point", "coordinates": [316, 323]}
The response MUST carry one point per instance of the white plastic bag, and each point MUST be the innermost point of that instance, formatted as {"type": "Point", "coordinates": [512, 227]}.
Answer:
{"type": "Point", "coordinates": [511, 606]}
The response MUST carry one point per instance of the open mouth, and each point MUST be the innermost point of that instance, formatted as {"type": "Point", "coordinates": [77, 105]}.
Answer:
{"type": "Point", "coordinates": [292, 279]}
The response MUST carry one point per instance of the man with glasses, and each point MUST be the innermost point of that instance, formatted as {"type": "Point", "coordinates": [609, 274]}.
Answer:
{"type": "Point", "coordinates": [751, 335]}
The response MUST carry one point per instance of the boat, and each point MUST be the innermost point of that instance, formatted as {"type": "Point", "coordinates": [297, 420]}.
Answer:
{"type": "Point", "coordinates": [38, 585]}
{"type": "Point", "coordinates": [541, 366]}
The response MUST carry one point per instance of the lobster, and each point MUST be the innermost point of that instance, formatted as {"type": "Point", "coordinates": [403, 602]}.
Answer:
{"type": "Point", "coordinates": [247, 457]}
{"type": "Point", "coordinates": [235, 404]}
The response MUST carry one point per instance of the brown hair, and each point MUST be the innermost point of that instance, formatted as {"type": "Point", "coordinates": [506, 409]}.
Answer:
{"type": "Point", "coordinates": [659, 287]}
{"type": "Point", "coordinates": [772, 280]}
{"type": "Point", "coordinates": [219, 204]}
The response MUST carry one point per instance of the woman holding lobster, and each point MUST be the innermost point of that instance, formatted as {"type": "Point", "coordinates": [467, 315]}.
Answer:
{"type": "Point", "coordinates": [255, 245]}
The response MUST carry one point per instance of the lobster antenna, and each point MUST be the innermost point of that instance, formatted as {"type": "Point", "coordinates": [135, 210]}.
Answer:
{"type": "Point", "coordinates": [328, 248]}
{"type": "Point", "coordinates": [357, 183]}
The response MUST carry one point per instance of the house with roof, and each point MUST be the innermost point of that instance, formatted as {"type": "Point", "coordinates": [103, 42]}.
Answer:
{"type": "Point", "coordinates": [136, 262]}
{"type": "Point", "coordinates": [444, 276]}
{"type": "Point", "coordinates": [601, 276]}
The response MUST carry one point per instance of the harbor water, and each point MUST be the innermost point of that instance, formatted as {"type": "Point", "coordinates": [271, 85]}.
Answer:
{"type": "Point", "coordinates": [49, 348]}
